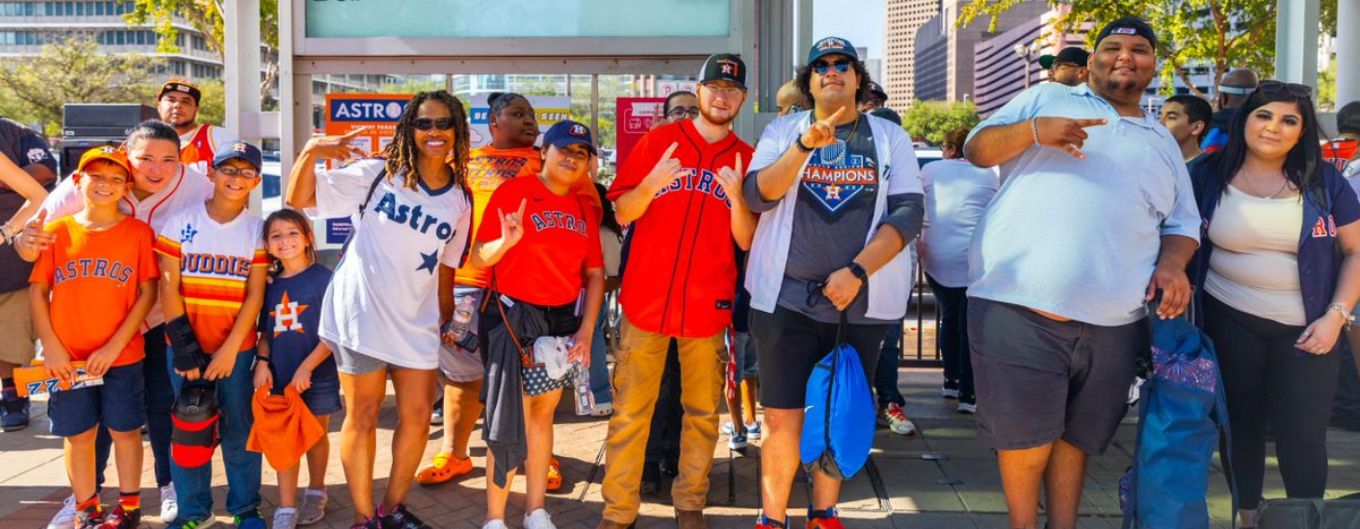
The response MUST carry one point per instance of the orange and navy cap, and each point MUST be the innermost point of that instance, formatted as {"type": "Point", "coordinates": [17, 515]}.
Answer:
{"type": "Point", "coordinates": [181, 86]}
{"type": "Point", "coordinates": [724, 67]}
{"type": "Point", "coordinates": [107, 153]}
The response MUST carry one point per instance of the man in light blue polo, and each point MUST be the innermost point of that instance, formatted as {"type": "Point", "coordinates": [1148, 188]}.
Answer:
{"type": "Point", "coordinates": [1096, 214]}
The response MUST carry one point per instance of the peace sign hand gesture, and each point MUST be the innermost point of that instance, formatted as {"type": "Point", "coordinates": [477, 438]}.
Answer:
{"type": "Point", "coordinates": [336, 147]}
{"type": "Point", "coordinates": [823, 133]}
{"type": "Point", "coordinates": [512, 225]}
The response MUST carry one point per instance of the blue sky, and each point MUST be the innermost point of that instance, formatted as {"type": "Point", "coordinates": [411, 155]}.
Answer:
{"type": "Point", "coordinates": [861, 21]}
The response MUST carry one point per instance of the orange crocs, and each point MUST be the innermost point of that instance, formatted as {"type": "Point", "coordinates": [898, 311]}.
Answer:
{"type": "Point", "coordinates": [443, 468]}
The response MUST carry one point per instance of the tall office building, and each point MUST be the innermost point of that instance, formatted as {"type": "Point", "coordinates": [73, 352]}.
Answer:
{"type": "Point", "coordinates": [903, 18]}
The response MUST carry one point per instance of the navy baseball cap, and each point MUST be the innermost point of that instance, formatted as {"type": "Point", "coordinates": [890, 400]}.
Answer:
{"type": "Point", "coordinates": [1070, 54]}
{"type": "Point", "coordinates": [568, 132]}
{"type": "Point", "coordinates": [239, 150]}
{"type": "Point", "coordinates": [1129, 26]}
{"type": "Point", "coordinates": [724, 67]}
{"type": "Point", "coordinates": [832, 46]}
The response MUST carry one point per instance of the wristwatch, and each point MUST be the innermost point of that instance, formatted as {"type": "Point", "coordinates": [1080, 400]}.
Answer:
{"type": "Point", "coordinates": [261, 359]}
{"type": "Point", "coordinates": [858, 270]}
{"type": "Point", "coordinates": [1345, 315]}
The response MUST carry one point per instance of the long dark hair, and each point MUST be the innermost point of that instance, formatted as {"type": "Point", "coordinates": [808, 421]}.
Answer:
{"type": "Point", "coordinates": [402, 153]}
{"type": "Point", "coordinates": [304, 225]}
{"type": "Point", "coordinates": [1301, 164]}
{"type": "Point", "coordinates": [804, 82]}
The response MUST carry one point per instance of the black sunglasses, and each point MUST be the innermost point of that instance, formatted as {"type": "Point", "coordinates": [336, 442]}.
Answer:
{"type": "Point", "coordinates": [1293, 89]}
{"type": "Point", "coordinates": [822, 66]}
{"type": "Point", "coordinates": [428, 123]}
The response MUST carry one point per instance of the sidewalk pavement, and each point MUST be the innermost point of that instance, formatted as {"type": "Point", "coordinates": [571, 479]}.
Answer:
{"type": "Point", "coordinates": [942, 478]}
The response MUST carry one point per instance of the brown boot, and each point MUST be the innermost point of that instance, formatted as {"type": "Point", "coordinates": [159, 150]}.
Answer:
{"type": "Point", "coordinates": [606, 523]}
{"type": "Point", "coordinates": [690, 519]}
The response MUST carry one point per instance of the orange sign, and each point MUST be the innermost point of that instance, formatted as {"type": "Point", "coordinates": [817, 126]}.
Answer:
{"type": "Point", "coordinates": [378, 112]}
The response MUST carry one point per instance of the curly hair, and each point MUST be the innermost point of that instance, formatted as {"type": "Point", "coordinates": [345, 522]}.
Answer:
{"type": "Point", "coordinates": [863, 93]}
{"type": "Point", "coordinates": [403, 153]}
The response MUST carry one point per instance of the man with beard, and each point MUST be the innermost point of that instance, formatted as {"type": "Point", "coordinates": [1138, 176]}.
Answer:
{"type": "Point", "coordinates": [177, 102]}
{"type": "Point", "coordinates": [1096, 200]}
{"type": "Point", "coordinates": [681, 190]}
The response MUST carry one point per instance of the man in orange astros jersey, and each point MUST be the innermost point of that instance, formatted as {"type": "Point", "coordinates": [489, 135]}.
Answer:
{"type": "Point", "coordinates": [177, 102]}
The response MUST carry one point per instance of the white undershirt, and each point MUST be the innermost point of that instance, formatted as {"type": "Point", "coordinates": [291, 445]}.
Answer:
{"type": "Point", "coordinates": [1254, 267]}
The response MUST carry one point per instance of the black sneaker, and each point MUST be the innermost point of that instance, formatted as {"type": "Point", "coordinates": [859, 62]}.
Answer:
{"type": "Point", "coordinates": [400, 518]}
{"type": "Point", "coordinates": [950, 390]}
{"type": "Point", "coordinates": [13, 411]}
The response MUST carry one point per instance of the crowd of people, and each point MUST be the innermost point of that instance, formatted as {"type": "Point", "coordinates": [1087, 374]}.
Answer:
{"type": "Point", "coordinates": [476, 279]}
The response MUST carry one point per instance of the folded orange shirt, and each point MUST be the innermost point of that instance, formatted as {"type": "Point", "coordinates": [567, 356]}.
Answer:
{"type": "Point", "coordinates": [284, 428]}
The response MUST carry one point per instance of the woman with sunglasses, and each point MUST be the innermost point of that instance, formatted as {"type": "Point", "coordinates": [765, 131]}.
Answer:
{"type": "Point", "coordinates": [541, 244]}
{"type": "Point", "coordinates": [394, 286]}
{"type": "Point", "coordinates": [1271, 292]}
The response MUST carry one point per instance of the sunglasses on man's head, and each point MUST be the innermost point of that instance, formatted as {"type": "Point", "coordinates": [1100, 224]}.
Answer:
{"type": "Point", "coordinates": [1293, 89]}
{"type": "Point", "coordinates": [822, 66]}
{"type": "Point", "coordinates": [429, 123]}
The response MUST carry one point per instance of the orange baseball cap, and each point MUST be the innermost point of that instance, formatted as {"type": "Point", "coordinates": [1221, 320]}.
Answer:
{"type": "Point", "coordinates": [107, 153]}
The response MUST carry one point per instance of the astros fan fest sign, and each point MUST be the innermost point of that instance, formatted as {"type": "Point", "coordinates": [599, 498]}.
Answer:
{"type": "Point", "coordinates": [348, 112]}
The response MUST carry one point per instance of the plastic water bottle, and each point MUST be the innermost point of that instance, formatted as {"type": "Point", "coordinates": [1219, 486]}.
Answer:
{"type": "Point", "coordinates": [585, 398]}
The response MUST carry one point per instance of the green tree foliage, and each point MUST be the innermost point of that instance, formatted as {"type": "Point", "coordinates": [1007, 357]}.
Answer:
{"type": "Point", "coordinates": [931, 120]}
{"type": "Point", "coordinates": [73, 71]}
{"type": "Point", "coordinates": [1224, 34]}
{"type": "Point", "coordinates": [206, 17]}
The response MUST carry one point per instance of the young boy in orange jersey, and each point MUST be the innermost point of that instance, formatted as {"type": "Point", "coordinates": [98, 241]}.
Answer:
{"type": "Point", "coordinates": [90, 292]}
{"type": "Point", "coordinates": [214, 267]}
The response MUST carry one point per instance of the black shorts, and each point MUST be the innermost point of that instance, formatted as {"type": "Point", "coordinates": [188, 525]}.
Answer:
{"type": "Point", "coordinates": [1039, 380]}
{"type": "Point", "coordinates": [789, 344]}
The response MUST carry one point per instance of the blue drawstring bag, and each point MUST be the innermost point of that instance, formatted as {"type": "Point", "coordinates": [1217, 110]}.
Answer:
{"type": "Point", "coordinates": [1180, 417]}
{"type": "Point", "coordinates": [838, 413]}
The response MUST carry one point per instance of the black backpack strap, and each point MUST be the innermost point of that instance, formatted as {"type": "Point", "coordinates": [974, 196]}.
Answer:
{"type": "Point", "coordinates": [372, 187]}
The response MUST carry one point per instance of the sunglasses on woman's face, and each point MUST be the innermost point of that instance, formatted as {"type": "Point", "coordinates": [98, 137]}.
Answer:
{"type": "Point", "coordinates": [429, 123]}
{"type": "Point", "coordinates": [1293, 89]}
{"type": "Point", "coordinates": [822, 66]}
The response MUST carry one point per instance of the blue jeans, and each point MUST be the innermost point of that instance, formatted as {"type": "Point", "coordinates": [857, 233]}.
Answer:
{"type": "Point", "coordinates": [599, 368]}
{"type": "Point", "coordinates": [160, 399]}
{"type": "Point", "coordinates": [194, 485]}
{"type": "Point", "coordinates": [885, 374]}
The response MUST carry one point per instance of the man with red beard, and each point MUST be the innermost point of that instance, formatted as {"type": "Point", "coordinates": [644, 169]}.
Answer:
{"type": "Point", "coordinates": [177, 102]}
{"type": "Point", "coordinates": [681, 190]}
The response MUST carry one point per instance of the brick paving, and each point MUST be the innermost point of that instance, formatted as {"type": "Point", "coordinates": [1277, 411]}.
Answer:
{"type": "Point", "coordinates": [940, 479]}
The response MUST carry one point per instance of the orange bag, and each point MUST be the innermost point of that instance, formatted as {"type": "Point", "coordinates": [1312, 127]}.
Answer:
{"type": "Point", "coordinates": [284, 428]}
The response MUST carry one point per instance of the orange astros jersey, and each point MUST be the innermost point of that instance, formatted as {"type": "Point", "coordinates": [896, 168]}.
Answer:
{"type": "Point", "coordinates": [681, 275]}
{"type": "Point", "coordinates": [198, 148]}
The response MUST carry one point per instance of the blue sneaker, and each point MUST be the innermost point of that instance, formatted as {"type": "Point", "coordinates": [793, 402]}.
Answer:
{"type": "Point", "coordinates": [736, 441]}
{"type": "Point", "coordinates": [753, 431]}
{"type": "Point", "coordinates": [250, 520]}
{"type": "Point", "coordinates": [192, 524]}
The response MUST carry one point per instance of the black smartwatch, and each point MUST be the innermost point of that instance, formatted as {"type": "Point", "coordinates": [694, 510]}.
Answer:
{"type": "Point", "coordinates": [858, 270]}
{"type": "Point", "coordinates": [261, 359]}
{"type": "Point", "coordinates": [802, 147]}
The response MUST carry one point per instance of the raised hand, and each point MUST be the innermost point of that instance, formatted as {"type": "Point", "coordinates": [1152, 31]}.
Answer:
{"type": "Point", "coordinates": [1066, 134]}
{"type": "Point", "coordinates": [729, 179]}
{"type": "Point", "coordinates": [823, 133]}
{"type": "Point", "coordinates": [336, 147]}
{"type": "Point", "coordinates": [666, 170]}
{"type": "Point", "coordinates": [512, 225]}
{"type": "Point", "coordinates": [34, 238]}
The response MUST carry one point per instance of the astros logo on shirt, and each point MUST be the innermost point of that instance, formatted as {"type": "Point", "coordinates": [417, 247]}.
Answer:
{"type": "Point", "coordinates": [834, 177]}
{"type": "Point", "coordinates": [286, 315]}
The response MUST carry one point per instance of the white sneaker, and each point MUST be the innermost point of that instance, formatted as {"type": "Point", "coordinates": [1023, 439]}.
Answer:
{"type": "Point", "coordinates": [437, 416]}
{"type": "Point", "coordinates": [169, 503]}
{"type": "Point", "coordinates": [313, 507]}
{"type": "Point", "coordinates": [494, 524]}
{"type": "Point", "coordinates": [66, 517]}
{"type": "Point", "coordinates": [538, 519]}
{"type": "Point", "coordinates": [969, 408]}
{"type": "Point", "coordinates": [898, 421]}
{"type": "Point", "coordinates": [285, 518]}
{"type": "Point", "coordinates": [753, 431]}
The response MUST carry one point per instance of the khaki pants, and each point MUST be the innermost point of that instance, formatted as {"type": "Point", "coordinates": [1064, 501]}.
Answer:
{"type": "Point", "coordinates": [17, 336]}
{"type": "Point", "coordinates": [637, 379]}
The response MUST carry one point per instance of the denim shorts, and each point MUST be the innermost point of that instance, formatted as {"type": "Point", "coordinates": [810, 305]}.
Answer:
{"type": "Point", "coordinates": [323, 398]}
{"type": "Point", "coordinates": [119, 404]}
{"type": "Point", "coordinates": [744, 353]}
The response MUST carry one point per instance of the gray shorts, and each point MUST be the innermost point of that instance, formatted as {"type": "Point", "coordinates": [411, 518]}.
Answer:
{"type": "Point", "coordinates": [351, 362]}
{"type": "Point", "coordinates": [456, 364]}
{"type": "Point", "coordinates": [1039, 380]}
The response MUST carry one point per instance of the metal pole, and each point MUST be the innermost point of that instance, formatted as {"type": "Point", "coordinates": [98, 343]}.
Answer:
{"type": "Point", "coordinates": [595, 107]}
{"type": "Point", "coordinates": [1347, 51]}
{"type": "Point", "coordinates": [1296, 41]}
